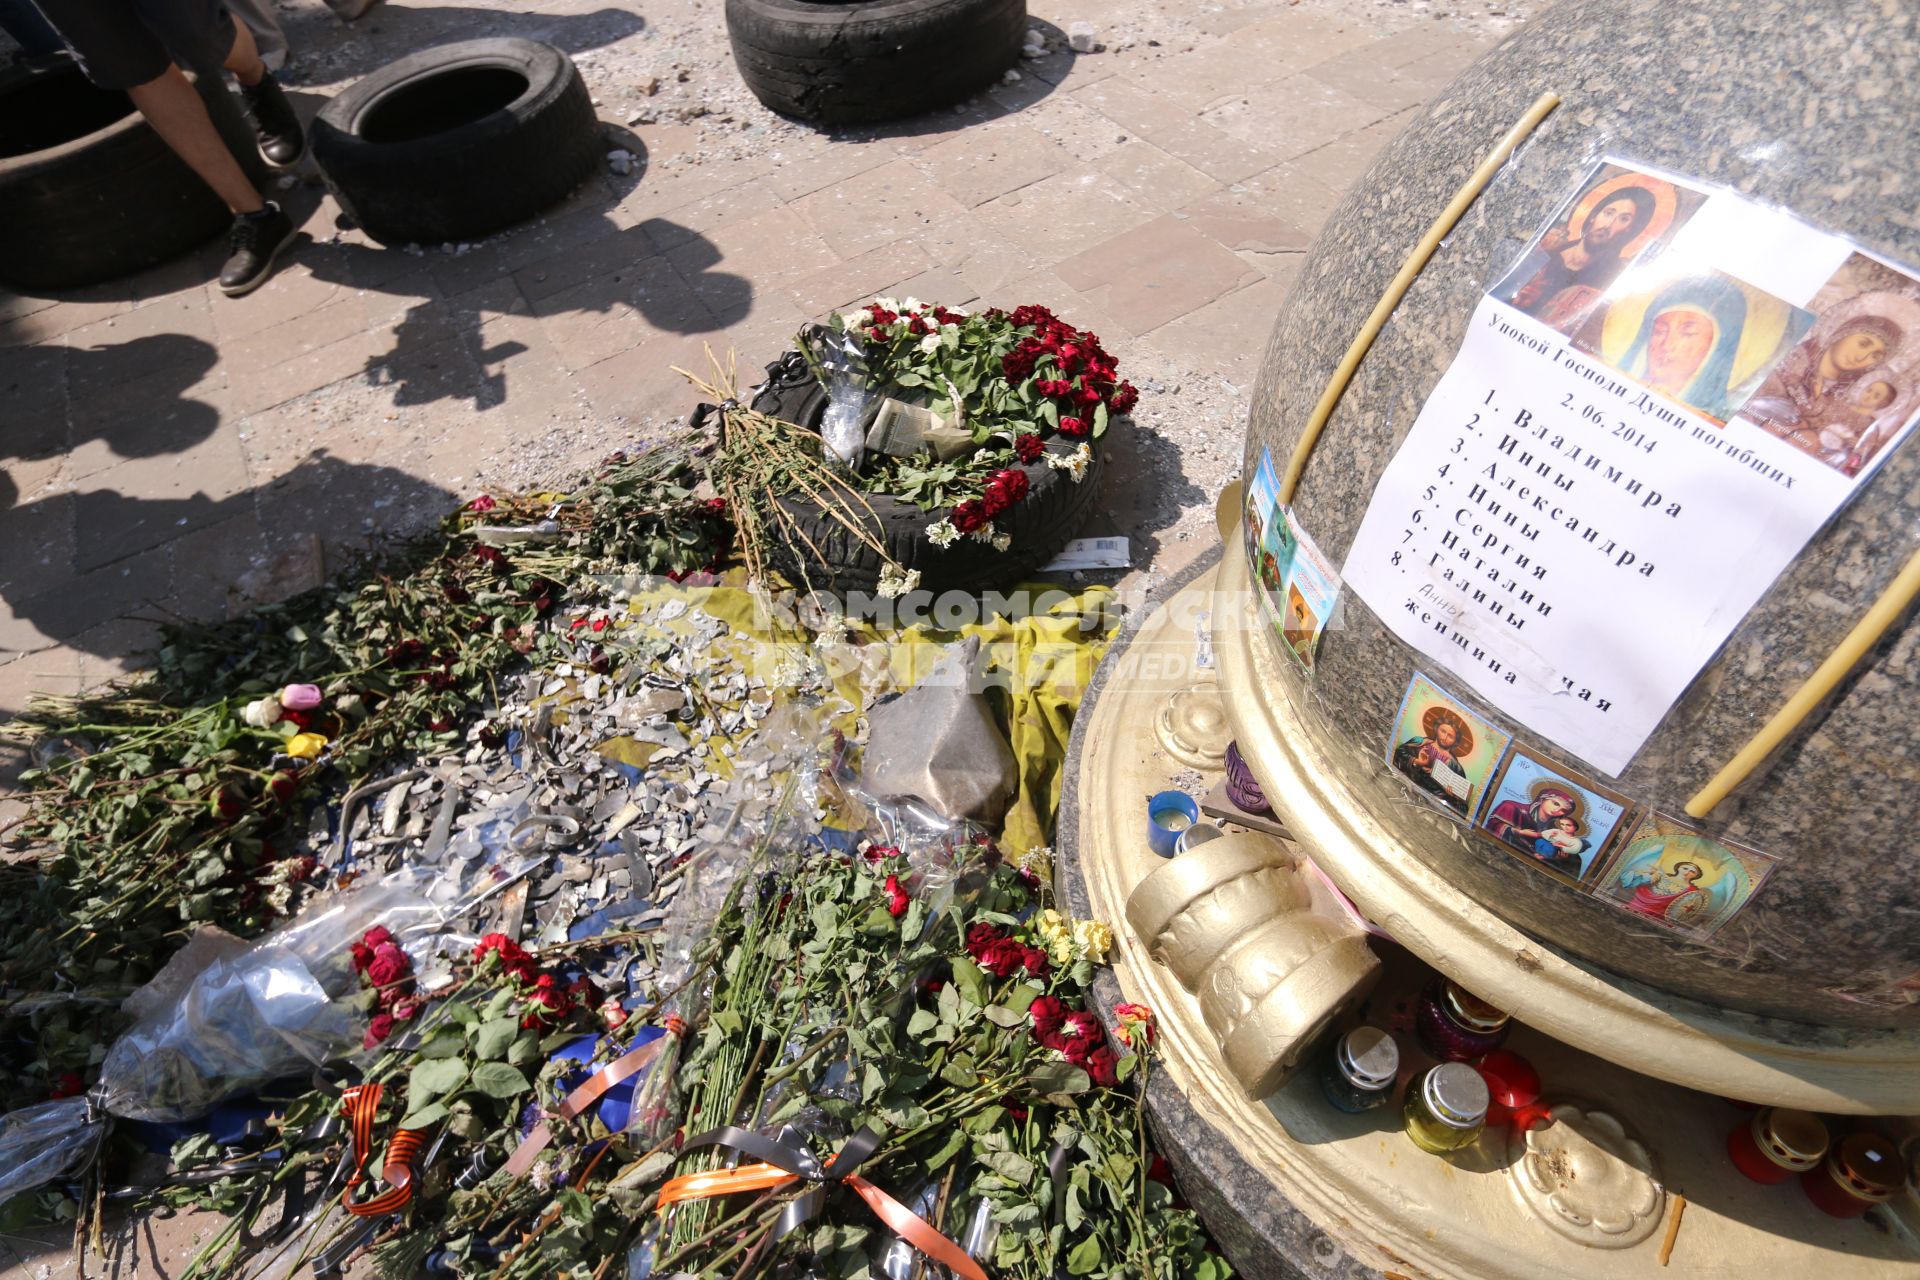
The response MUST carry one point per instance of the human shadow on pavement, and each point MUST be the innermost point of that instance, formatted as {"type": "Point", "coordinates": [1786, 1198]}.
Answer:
{"type": "Point", "coordinates": [323, 512]}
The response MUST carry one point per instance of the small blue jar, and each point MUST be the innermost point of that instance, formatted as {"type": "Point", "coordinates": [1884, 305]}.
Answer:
{"type": "Point", "coordinates": [1358, 1070]}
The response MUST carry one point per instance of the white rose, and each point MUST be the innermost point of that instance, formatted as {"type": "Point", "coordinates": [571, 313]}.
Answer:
{"type": "Point", "coordinates": [886, 304]}
{"type": "Point", "coordinates": [930, 343]}
{"type": "Point", "coordinates": [911, 304]}
{"type": "Point", "coordinates": [262, 713]}
{"type": "Point", "coordinates": [1001, 541]}
{"type": "Point", "coordinates": [941, 533]}
{"type": "Point", "coordinates": [862, 319]}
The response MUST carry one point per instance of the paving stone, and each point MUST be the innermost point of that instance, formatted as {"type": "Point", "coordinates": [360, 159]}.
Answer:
{"type": "Point", "coordinates": [977, 166]}
{"type": "Point", "coordinates": [1273, 212]}
{"type": "Point", "coordinates": [888, 203]}
{"type": "Point", "coordinates": [14, 307]}
{"type": "Point", "coordinates": [294, 292]}
{"type": "Point", "coordinates": [1216, 154]}
{"type": "Point", "coordinates": [1082, 131]}
{"type": "Point", "coordinates": [1134, 107]}
{"type": "Point", "coordinates": [1229, 334]}
{"type": "Point", "coordinates": [126, 346]}
{"type": "Point", "coordinates": [674, 225]}
{"type": "Point", "coordinates": [1400, 88]}
{"type": "Point", "coordinates": [147, 501]}
{"type": "Point", "coordinates": [254, 389]}
{"type": "Point", "coordinates": [802, 169]}
{"type": "Point", "coordinates": [33, 377]}
{"type": "Point", "coordinates": [39, 537]}
{"type": "Point", "coordinates": [606, 255]}
{"type": "Point", "coordinates": [1261, 52]}
{"type": "Point", "coordinates": [29, 623]}
{"type": "Point", "coordinates": [593, 321]}
{"type": "Point", "coordinates": [639, 386]}
{"type": "Point", "coordinates": [209, 565]}
{"type": "Point", "coordinates": [170, 409]}
{"type": "Point", "coordinates": [1155, 273]}
{"type": "Point", "coordinates": [1063, 215]}
{"type": "Point", "coordinates": [1291, 117]}
{"type": "Point", "coordinates": [23, 677]}
{"type": "Point", "coordinates": [1158, 178]}
{"type": "Point", "coordinates": [117, 648]}
{"type": "Point", "coordinates": [859, 279]}
{"type": "Point", "coordinates": [730, 266]}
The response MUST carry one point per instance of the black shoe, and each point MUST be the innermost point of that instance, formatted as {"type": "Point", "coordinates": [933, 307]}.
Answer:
{"type": "Point", "coordinates": [274, 122]}
{"type": "Point", "coordinates": [256, 240]}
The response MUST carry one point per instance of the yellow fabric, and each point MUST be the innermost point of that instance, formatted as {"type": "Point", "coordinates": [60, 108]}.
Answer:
{"type": "Point", "coordinates": [1038, 667]}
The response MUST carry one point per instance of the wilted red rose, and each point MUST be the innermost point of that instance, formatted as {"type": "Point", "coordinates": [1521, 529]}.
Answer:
{"type": "Point", "coordinates": [362, 957]}
{"type": "Point", "coordinates": [1010, 484]}
{"type": "Point", "coordinates": [513, 958]}
{"type": "Point", "coordinates": [897, 897]}
{"type": "Point", "coordinates": [879, 852]}
{"type": "Point", "coordinates": [1036, 961]}
{"type": "Point", "coordinates": [1124, 399]}
{"type": "Point", "coordinates": [388, 966]}
{"type": "Point", "coordinates": [547, 1004]}
{"type": "Point", "coordinates": [377, 936]}
{"type": "Point", "coordinates": [1003, 959]}
{"type": "Point", "coordinates": [980, 936]}
{"type": "Point", "coordinates": [379, 1029]}
{"type": "Point", "coordinates": [1028, 446]}
{"type": "Point", "coordinates": [1073, 426]}
{"type": "Point", "coordinates": [1102, 1065]}
{"type": "Point", "coordinates": [1048, 1014]}
{"type": "Point", "coordinates": [483, 503]}
{"type": "Point", "coordinates": [71, 1084]}
{"type": "Point", "coordinates": [970, 516]}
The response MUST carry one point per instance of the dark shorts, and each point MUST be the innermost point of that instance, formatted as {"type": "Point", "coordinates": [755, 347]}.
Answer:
{"type": "Point", "coordinates": [123, 43]}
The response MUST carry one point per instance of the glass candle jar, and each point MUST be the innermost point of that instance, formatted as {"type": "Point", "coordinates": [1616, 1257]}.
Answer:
{"type": "Point", "coordinates": [1446, 1107]}
{"type": "Point", "coordinates": [1454, 1025]}
{"type": "Point", "coordinates": [1514, 1087]}
{"type": "Point", "coordinates": [1861, 1171]}
{"type": "Point", "coordinates": [1358, 1069]}
{"type": "Point", "coordinates": [1775, 1143]}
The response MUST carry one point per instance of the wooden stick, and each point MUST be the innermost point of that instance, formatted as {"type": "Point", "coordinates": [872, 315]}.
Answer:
{"type": "Point", "coordinates": [1678, 1212]}
{"type": "Point", "coordinates": [1343, 374]}
{"type": "Point", "coordinates": [1865, 634]}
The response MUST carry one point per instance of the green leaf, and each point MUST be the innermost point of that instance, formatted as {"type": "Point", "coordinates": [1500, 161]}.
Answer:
{"type": "Point", "coordinates": [922, 1021]}
{"type": "Point", "coordinates": [1002, 1016]}
{"type": "Point", "coordinates": [1010, 1165]}
{"type": "Point", "coordinates": [1099, 421]}
{"type": "Point", "coordinates": [971, 981]}
{"type": "Point", "coordinates": [447, 1042]}
{"type": "Point", "coordinates": [435, 1078]}
{"type": "Point", "coordinates": [1084, 1257]}
{"type": "Point", "coordinates": [491, 1041]}
{"type": "Point", "coordinates": [432, 1113]}
{"type": "Point", "coordinates": [498, 1080]}
{"type": "Point", "coordinates": [1058, 1077]}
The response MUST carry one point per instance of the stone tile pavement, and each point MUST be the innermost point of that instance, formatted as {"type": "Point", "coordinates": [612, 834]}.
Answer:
{"type": "Point", "coordinates": [166, 452]}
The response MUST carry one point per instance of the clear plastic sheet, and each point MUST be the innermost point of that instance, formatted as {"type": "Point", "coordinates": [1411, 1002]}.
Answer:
{"type": "Point", "coordinates": [842, 369]}
{"type": "Point", "coordinates": [284, 1004]}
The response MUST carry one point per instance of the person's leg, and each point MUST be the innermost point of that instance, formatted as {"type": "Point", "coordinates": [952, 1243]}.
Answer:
{"type": "Point", "coordinates": [173, 107]}
{"type": "Point", "coordinates": [259, 18]}
{"type": "Point", "coordinates": [274, 121]}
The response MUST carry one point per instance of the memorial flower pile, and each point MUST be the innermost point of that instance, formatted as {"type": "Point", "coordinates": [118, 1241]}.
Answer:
{"type": "Point", "coordinates": [1033, 391]}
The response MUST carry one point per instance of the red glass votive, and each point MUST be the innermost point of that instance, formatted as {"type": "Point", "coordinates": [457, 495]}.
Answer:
{"type": "Point", "coordinates": [1776, 1143]}
{"type": "Point", "coordinates": [1861, 1171]}
{"type": "Point", "coordinates": [1514, 1087]}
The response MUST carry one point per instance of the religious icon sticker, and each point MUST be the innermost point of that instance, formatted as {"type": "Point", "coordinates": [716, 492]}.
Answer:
{"type": "Point", "coordinates": [1442, 748]}
{"type": "Point", "coordinates": [1697, 336]}
{"type": "Point", "coordinates": [1675, 877]}
{"type": "Point", "coordinates": [1308, 596]}
{"type": "Point", "coordinates": [1263, 496]}
{"type": "Point", "coordinates": [1620, 216]}
{"type": "Point", "coordinates": [1852, 386]}
{"type": "Point", "coordinates": [1649, 416]}
{"type": "Point", "coordinates": [1552, 818]}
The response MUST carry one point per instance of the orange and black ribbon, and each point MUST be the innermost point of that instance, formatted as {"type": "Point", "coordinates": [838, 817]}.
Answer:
{"type": "Point", "coordinates": [785, 1163]}
{"type": "Point", "coordinates": [589, 1092]}
{"type": "Point", "coordinates": [360, 1102]}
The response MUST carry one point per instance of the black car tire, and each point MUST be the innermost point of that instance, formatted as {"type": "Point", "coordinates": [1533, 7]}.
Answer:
{"type": "Point", "coordinates": [852, 63]}
{"type": "Point", "coordinates": [458, 141]}
{"type": "Point", "coordinates": [1041, 523]}
{"type": "Point", "coordinates": [88, 191]}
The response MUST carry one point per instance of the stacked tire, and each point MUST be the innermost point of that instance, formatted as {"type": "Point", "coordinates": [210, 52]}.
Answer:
{"type": "Point", "coordinates": [1040, 524]}
{"type": "Point", "coordinates": [869, 60]}
{"type": "Point", "coordinates": [458, 141]}
{"type": "Point", "coordinates": [88, 191]}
